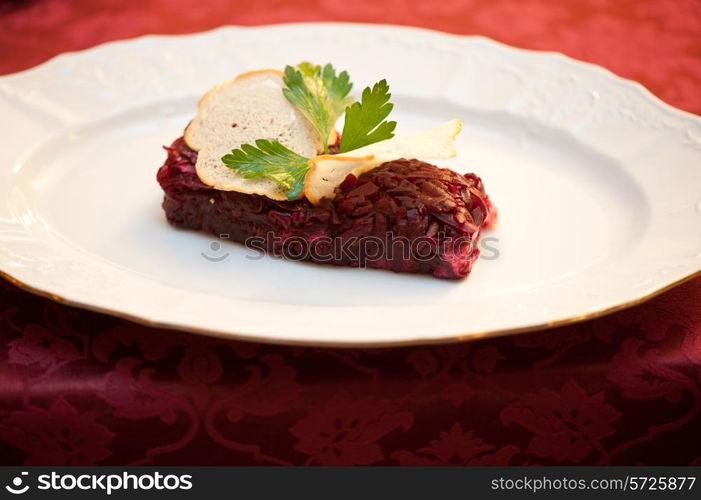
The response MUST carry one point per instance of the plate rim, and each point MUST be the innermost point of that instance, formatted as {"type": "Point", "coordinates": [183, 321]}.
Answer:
{"type": "Point", "coordinates": [143, 318]}
{"type": "Point", "coordinates": [245, 337]}
{"type": "Point", "coordinates": [482, 38]}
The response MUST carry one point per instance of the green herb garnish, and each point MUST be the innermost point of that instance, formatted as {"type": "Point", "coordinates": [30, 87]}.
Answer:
{"type": "Point", "coordinates": [319, 94]}
{"type": "Point", "coordinates": [270, 160]}
{"type": "Point", "coordinates": [364, 120]}
{"type": "Point", "coordinates": [322, 97]}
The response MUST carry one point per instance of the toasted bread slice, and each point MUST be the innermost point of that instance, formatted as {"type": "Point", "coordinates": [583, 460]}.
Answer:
{"type": "Point", "coordinates": [329, 171]}
{"type": "Point", "coordinates": [250, 107]}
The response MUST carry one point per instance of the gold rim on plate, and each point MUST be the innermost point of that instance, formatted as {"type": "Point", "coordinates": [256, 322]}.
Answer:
{"type": "Point", "coordinates": [245, 337]}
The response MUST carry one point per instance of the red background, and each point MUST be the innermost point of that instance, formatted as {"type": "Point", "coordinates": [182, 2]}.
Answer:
{"type": "Point", "coordinates": [83, 388]}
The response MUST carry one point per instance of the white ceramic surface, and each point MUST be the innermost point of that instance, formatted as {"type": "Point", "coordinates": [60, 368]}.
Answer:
{"type": "Point", "coordinates": [597, 183]}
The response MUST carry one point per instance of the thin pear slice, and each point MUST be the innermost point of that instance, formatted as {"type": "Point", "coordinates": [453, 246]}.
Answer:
{"type": "Point", "coordinates": [329, 171]}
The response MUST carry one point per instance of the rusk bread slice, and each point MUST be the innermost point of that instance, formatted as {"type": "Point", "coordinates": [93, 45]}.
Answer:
{"type": "Point", "coordinates": [250, 107]}
{"type": "Point", "coordinates": [329, 171]}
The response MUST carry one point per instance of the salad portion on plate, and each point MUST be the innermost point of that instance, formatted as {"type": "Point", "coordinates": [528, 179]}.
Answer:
{"type": "Point", "coordinates": [263, 164]}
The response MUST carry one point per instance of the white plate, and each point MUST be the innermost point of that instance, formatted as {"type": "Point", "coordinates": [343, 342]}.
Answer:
{"type": "Point", "coordinates": [598, 186]}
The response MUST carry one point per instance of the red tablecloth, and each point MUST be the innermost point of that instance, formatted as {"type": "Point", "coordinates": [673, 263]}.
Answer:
{"type": "Point", "coordinates": [83, 388]}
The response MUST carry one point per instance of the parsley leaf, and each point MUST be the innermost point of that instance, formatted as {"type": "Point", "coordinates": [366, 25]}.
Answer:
{"type": "Point", "coordinates": [319, 94]}
{"type": "Point", "coordinates": [270, 160]}
{"type": "Point", "coordinates": [364, 120]}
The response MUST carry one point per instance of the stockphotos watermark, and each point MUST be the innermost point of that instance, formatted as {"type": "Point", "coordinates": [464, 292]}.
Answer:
{"type": "Point", "coordinates": [310, 483]}
{"type": "Point", "coordinates": [363, 249]}
{"type": "Point", "coordinates": [104, 483]}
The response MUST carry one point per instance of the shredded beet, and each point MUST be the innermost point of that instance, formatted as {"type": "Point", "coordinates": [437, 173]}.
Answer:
{"type": "Point", "coordinates": [405, 215]}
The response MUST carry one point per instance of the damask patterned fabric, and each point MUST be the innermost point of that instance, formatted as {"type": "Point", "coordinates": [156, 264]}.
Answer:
{"type": "Point", "coordinates": [78, 387]}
